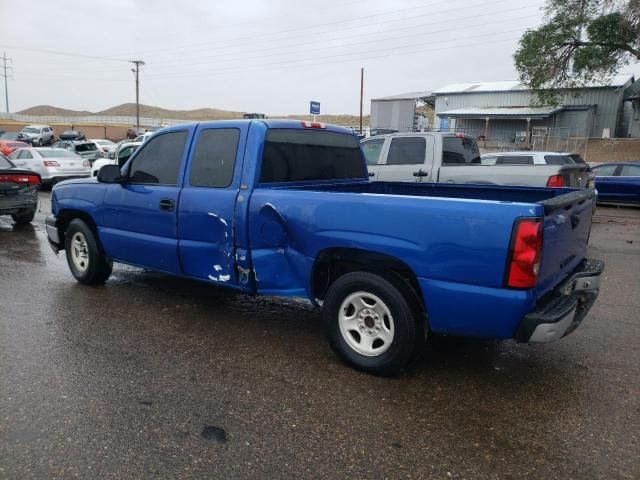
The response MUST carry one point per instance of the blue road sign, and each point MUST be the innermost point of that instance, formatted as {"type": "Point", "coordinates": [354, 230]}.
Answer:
{"type": "Point", "coordinates": [314, 108]}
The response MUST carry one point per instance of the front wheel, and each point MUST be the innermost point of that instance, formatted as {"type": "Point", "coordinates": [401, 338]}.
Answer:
{"type": "Point", "coordinates": [87, 261]}
{"type": "Point", "coordinates": [371, 324]}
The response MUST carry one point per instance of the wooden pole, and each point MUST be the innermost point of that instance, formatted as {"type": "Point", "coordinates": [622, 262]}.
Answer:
{"type": "Point", "coordinates": [361, 95]}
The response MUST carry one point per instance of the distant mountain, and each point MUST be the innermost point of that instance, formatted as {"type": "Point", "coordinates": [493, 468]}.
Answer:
{"type": "Point", "coordinates": [129, 110]}
{"type": "Point", "coordinates": [54, 111]}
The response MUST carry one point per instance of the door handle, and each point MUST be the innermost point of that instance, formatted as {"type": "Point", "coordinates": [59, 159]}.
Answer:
{"type": "Point", "coordinates": [167, 205]}
{"type": "Point", "coordinates": [420, 173]}
{"type": "Point", "coordinates": [371, 174]}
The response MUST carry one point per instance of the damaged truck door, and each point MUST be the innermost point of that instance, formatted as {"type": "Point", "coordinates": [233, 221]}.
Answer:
{"type": "Point", "coordinates": [208, 204]}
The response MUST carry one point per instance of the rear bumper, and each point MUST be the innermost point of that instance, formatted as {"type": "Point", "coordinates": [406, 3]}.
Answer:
{"type": "Point", "coordinates": [53, 179]}
{"type": "Point", "coordinates": [10, 204]}
{"type": "Point", "coordinates": [562, 310]}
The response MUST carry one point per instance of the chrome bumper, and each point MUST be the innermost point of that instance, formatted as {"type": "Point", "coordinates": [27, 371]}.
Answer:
{"type": "Point", "coordinates": [561, 311]}
{"type": "Point", "coordinates": [53, 234]}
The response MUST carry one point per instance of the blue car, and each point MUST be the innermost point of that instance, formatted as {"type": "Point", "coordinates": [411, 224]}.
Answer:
{"type": "Point", "coordinates": [618, 183]}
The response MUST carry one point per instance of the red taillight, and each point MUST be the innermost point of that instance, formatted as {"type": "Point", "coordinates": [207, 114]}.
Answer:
{"type": "Point", "coordinates": [23, 179]}
{"type": "Point", "coordinates": [313, 125]}
{"type": "Point", "coordinates": [524, 255]}
{"type": "Point", "coordinates": [459, 135]}
{"type": "Point", "coordinates": [50, 163]}
{"type": "Point", "coordinates": [555, 181]}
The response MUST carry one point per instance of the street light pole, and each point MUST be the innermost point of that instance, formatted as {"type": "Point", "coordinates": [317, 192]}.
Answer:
{"type": "Point", "coordinates": [137, 63]}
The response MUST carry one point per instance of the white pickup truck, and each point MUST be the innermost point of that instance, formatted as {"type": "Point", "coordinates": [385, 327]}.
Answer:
{"type": "Point", "coordinates": [434, 157]}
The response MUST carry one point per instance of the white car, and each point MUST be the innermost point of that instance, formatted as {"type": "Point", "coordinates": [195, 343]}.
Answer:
{"type": "Point", "coordinates": [104, 145]}
{"type": "Point", "coordinates": [144, 137]}
{"type": "Point", "coordinates": [53, 164]}
{"type": "Point", "coordinates": [119, 157]}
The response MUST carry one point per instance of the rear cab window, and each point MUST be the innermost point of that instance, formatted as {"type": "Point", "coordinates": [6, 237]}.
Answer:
{"type": "Point", "coordinates": [460, 150]}
{"type": "Point", "coordinates": [514, 160]}
{"type": "Point", "coordinates": [292, 155]}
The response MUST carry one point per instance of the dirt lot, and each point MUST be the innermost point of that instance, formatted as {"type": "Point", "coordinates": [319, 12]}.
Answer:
{"type": "Point", "coordinates": [120, 381]}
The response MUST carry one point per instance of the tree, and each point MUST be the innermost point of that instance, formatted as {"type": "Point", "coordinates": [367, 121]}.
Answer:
{"type": "Point", "coordinates": [580, 41]}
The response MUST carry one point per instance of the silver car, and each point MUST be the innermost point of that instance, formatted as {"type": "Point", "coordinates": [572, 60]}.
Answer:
{"type": "Point", "coordinates": [53, 164]}
{"type": "Point", "coordinates": [39, 135]}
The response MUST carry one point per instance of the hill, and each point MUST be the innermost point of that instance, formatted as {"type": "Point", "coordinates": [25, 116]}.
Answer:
{"type": "Point", "coordinates": [129, 110]}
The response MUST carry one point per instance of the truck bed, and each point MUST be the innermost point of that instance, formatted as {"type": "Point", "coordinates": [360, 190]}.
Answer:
{"type": "Point", "coordinates": [497, 193]}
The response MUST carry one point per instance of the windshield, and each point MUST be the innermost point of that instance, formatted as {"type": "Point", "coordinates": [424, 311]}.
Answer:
{"type": "Point", "coordinates": [86, 147]}
{"type": "Point", "coordinates": [31, 130]}
{"type": "Point", "coordinates": [56, 154]}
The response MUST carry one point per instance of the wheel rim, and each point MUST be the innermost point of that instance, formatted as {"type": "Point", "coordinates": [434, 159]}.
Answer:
{"type": "Point", "coordinates": [79, 252]}
{"type": "Point", "coordinates": [366, 324]}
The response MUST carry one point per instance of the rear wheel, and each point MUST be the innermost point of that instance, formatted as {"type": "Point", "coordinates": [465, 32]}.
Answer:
{"type": "Point", "coordinates": [87, 261]}
{"type": "Point", "coordinates": [371, 324]}
{"type": "Point", "coordinates": [24, 217]}
{"type": "Point", "coordinates": [38, 143]}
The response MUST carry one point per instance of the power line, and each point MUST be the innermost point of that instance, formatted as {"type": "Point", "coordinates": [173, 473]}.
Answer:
{"type": "Point", "coordinates": [65, 54]}
{"type": "Point", "coordinates": [366, 42]}
{"type": "Point", "coordinates": [260, 38]}
{"type": "Point", "coordinates": [402, 48]}
{"type": "Point", "coordinates": [6, 75]}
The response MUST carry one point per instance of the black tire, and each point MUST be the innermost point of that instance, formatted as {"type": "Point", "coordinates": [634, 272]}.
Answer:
{"type": "Point", "coordinates": [409, 335]}
{"type": "Point", "coordinates": [24, 217]}
{"type": "Point", "coordinates": [97, 266]}
{"type": "Point", "coordinates": [38, 143]}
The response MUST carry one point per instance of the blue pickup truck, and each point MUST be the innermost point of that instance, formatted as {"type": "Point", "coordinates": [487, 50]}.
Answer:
{"type": "Point", "coordinates": [274, 207]}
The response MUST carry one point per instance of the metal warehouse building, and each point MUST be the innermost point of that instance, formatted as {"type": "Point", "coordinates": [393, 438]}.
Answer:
{"type": "Point", "coordinates": [501, 110]}
{"type": "Point", "coordinates": [398, 112]}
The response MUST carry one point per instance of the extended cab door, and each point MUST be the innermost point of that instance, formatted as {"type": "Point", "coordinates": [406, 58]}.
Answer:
{"type": "Point", "coordinates": [206, 212]}
{"type": "Point", "coordinates": [138, 222]}
{"type": "Point", "coordinates": [408, 159]}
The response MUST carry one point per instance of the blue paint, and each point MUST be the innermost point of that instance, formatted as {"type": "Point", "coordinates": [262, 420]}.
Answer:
{"type": "Point", "coordinates": [265, 238]}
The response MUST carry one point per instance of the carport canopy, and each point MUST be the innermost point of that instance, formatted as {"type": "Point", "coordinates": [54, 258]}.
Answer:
{"type": "Point", "coordinates": [531, 113]}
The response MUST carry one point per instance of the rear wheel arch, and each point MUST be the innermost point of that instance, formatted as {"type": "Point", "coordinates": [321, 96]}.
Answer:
{"type": "Point", "coordinates": [332, 263]}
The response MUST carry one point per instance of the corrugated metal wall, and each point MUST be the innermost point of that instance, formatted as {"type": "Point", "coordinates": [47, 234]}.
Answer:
{"type": "Point", "coordinates": [393, 114]}
{"type": "Point", "coordinates": [608, 101]}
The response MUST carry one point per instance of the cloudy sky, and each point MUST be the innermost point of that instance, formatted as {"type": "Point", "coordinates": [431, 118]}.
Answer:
{"type": "Point", "coordinates": [254, 55]}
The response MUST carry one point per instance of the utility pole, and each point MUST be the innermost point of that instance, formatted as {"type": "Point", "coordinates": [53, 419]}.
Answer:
{"type": "Point", "coordinates": [361, 94]}
{"type": "Point", "coordinates": [6, 75]}
{"type": "Point", "coordinates": [137, 63]}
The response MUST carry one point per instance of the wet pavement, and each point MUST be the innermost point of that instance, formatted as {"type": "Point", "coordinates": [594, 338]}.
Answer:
{"type": "Point", "coordinates": [154, 377]}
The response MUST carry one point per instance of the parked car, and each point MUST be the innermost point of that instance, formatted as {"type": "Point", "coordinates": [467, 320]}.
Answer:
{"type": "Point", "coordinates": [119, 157]}
{"type": "Point", "coordinates": [53, 164]}
{"type": "Point", "coordinates": [133, 132]}
{"type": "Point", "coordinates": [144, 137]}
{"type": "Point", "coordinates": [87, 150]}
{"type": "Point", "coordinates": [105, 145]}
{"type": "Point", "coordinates": [18, 191]}
{"type": "Point", "coordinates": [618, 183]}
{"type": "Point", "coordinates": [39, 134]}
{"type": "Point", "coordinates": [283, 207]}
{"type": "Point", "coordinates": [455, 158]}
{"type": "Point", "coordinates": [16, 137]}
{"type": "Point", "coordinates": [76, 135]}
{"type": "Point", "coordinates": [6, 147]}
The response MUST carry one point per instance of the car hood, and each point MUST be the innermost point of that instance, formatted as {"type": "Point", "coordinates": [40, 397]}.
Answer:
{"type": "Point", "coordinates": [75, 181]}
{"type": "Point", "coordinates": [30, 135]}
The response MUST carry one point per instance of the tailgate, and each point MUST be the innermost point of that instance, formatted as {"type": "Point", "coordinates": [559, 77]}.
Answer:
{"type": "Point", "coordinates": [575, 176]}
{"type": "Point", "coordinates": [567, 225]}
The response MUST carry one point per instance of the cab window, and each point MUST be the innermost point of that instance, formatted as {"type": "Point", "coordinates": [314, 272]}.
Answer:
{"type": "Point", "coordinates": [159, 160]}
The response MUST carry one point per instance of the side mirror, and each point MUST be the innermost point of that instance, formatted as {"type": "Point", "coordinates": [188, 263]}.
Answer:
{"type": "Point", "coordinates": [110, 174]}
